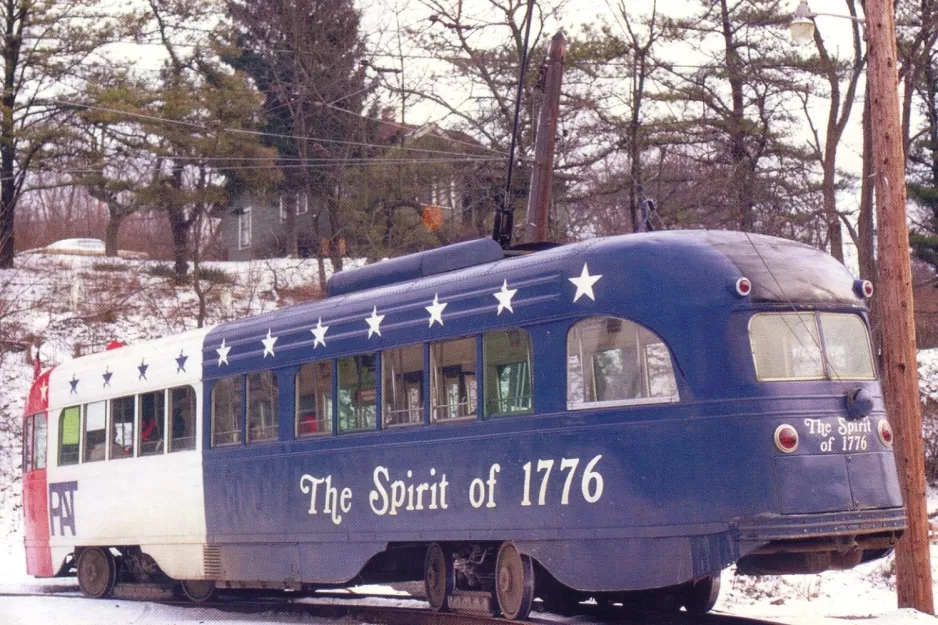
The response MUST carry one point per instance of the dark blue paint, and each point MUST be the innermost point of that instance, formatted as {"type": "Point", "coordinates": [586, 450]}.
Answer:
{"type": "Point", "coordinates": [688, 487]}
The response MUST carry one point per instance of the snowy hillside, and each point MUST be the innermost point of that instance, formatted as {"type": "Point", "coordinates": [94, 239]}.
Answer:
{"type": "Point", "coordinates": [71, 305]}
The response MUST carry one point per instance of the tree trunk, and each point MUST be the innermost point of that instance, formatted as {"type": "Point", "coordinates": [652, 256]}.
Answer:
{"type": "Point", "coordinates": [179, 227]}
{"type": "Point", "coordinates": [292, 243]}
{"type": "Point", "coordinates": [7, 201]}
{"type": "Point", "coordinates": [110, 234]}
{"type": "Point", "coordinates": [180, 232]}
{"type": "Point", "coordinates": [829, 191]}
{"type": "Point", "coordinates": [740, 176]}
{"type": "Point", "coordinates": [7, 132]}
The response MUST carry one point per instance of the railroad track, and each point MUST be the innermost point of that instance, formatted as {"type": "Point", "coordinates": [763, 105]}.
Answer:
{"type": "Point", "coordinates": [362, 607]}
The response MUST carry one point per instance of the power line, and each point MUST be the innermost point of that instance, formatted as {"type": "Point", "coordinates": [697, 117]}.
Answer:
{"type": "Point", "coordinates": [244, 131]}
{"type": "Point", "coordinates": [317, 165]}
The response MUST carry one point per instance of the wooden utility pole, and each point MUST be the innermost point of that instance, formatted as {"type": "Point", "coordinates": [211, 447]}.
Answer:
{"type": "Point", "coordinates": [536, 228]}
{"type": "Point", "coordinates": [900, 370]}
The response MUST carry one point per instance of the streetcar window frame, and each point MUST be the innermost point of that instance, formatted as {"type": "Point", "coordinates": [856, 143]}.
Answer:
{"type": "Point", "coordinates": [323, 408]}
{"type": "Point", "coordinates": [40, 458]}
{"type": "Point", "coordinates": [493, 368]}
{"type": "Point", "coordinates": [237, 394]}
{"type": "Point", "coordinates": [113, 444]}
{"type": "Point", "coordinates": [171, 408]}
{"type": "Point", "coordinates": [89, 454]}
{"type": "Point", "coordinates": [27, 444]}
{"type": "Point", "coordinates": [60, 459]}
{"type": "Point", "coordinates": [410, 380]}
{"type": "Point", "coordinates": [467, 381]}
{"type": "Point", "coordinates": [816, 330]}
{"type": "Point", "coordinates": [262, 392]}
{"type": "Point", "coordinates": [578, 398]}
{"type": "Point", "coordinates": [826, 334]}
{"type": "Point", "coordinates": [359, 400]}
{"type": "Point", "coordinates": [159, 425]}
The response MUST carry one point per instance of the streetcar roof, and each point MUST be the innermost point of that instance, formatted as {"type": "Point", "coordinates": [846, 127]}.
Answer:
{"type": "Point", "coordinates": [645, 274]}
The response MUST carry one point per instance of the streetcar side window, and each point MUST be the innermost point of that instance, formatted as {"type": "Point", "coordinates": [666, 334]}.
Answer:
{"type": "Point", "coordinates": [122, 427]}
{"type": "Point", "coordinates": [453, 380]}
{"type": "Point", "coordinates": [69, 432]}
{"type": "Point", "coordinates": [182, 413]}
{"type": "Point", "coordinates": [262, 407]}
{"type": "Point", "coordinates": [39, 441]}
{"type": "Point", "coordinates": [226, 411]}
{"type": "Point", "coordinates": [152, 423]}
{"type": "Point", "coordinates": [357, 400]}
{"type": "Point", "coordinates": [95, 432]}
{"type": "Point", "coordinates": [612, 361]}
{"type": "Point", "coordinates": [507, 382]}
{"type": "Point", "coordinates": [27, 444]}
{"type": "Point", "coordinates": [314, 399]}
{"type": "Point", "coordinates": [402, 393]}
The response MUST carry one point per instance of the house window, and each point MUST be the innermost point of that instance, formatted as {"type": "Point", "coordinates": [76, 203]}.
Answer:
{"type": "Point", "coordinates": [300, 202]}
{"type": "Point", "coordinates": [244, 228]}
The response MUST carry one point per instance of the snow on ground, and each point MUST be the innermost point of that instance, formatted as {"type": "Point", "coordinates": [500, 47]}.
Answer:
{"type": "Point", "coordinates": [79, 304]}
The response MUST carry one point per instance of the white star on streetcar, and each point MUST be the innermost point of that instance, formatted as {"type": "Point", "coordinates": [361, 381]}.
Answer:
{"type": "Point", "coordinates": [269, 344]}
{"type": "Point", "coordinates": [374, 322]}
{"type": "Point", "coordinates": [319, 332]}
{"type": "Point", "coordinates": [223, 353]}
{"type": "Point", "coordinates": [584, 284]}
{"type": "Point", "coordinates": [436, 310]}
{"type": "Point", "coordinates": [504, 297]}
{"type": "Point", "coordinates": [44, 391]}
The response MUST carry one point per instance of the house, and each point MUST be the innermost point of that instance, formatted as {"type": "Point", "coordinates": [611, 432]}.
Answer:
{"type": "Point", "coordinates": [419, 174]}
{"type": "Point", "coordinates": [256, 226]}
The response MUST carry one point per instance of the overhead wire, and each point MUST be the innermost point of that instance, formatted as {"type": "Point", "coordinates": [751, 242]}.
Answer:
{"type": "Point", "coordinates": [245, 131]}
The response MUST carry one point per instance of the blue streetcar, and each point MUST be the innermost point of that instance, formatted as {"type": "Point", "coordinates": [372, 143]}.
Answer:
{"type": "Point", "coordinates": [598, 419]}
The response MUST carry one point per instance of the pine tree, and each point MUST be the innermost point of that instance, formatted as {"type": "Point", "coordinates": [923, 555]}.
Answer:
{"type": "Point", "coordinates": [306, 58]}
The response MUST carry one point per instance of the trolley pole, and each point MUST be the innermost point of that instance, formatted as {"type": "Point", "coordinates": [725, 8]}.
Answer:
{"type": "Point", "coordinates": [900, 370]}
{"type": "Point", "coordinates": [542, 174]}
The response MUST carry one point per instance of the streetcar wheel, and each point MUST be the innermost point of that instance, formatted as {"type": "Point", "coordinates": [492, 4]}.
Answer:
{"type": "Point", "coordinates": [438, 577]}
{"type": "Point", "coordinates": [702, 595]}
{"type": "Point", "coordinates": [514, 582]}
{"type": "Point", "coordinates": [97, 572]}
{"type": "Point", "coordinates": [198, 590]}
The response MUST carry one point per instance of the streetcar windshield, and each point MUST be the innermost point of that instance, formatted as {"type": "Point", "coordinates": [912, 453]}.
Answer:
{"type": "Point", "coordinates": [810, 346]}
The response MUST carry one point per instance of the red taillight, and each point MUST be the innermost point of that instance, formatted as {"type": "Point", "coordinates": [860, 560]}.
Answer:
{"type": "Point", "coordinates": [786, 438]}
{"type": "Point", "coordinates": [743, 286]}
{"type": "Point", "coordinates": [885, 432]}
{"type": "Point", "coordinates": [863, 288]}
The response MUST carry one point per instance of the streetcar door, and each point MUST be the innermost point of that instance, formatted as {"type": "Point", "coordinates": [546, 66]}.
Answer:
{"type": "Point", "coordinates": [36, 496]}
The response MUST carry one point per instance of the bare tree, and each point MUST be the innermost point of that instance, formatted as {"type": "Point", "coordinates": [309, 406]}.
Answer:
{"type": "Point", "coordinates": [840, 105]}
